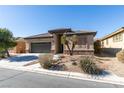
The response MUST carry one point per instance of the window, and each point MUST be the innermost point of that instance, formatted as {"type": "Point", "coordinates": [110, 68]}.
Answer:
{"type": "Point", "coordinates": [114, 39]}
{"type": "Point", "coordinates": [118, 37]}
{"type": "Point", "coordinates": [107, 42]}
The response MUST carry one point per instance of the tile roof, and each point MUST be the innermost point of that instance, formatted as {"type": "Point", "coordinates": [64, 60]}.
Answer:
{"type": "Point", "coordinates": [82, 32]}
{"type": "Point", "coordinates": [69, 32]}
{"type": "Point", "coordinates": [39, 36]}
{"type": "Point", "coordinates": [60, 30]}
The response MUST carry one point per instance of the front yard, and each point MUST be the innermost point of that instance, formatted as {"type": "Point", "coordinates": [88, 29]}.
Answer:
{"type": "Point", "coordinates": [113, 65]}
{"type": "Point", "coordinates": [70, 63]}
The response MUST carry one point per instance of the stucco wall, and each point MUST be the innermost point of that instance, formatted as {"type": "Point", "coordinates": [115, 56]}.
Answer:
{"type": "Point", "coordinates": [85, 42]}
{"type": "Point", "coordinates": [112, 44]}
{"type": "Point", "coordinates": [54, 43]}
{"type": "Point", "coordinates": [111, 51]}
{"type": "Point", "coordinates": [112, 47]}
{"type": "Point", "coordinates": [84, 45]}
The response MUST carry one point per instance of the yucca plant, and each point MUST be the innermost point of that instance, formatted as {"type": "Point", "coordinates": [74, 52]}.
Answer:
{"type": "Point", "coordinates": [70, 42]}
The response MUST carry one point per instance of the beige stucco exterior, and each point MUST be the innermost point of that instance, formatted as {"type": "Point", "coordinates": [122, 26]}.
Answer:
{"type": "Point", "coordinates": [83, 46]}
{"type": "Point", "coordinates": [111, 43]}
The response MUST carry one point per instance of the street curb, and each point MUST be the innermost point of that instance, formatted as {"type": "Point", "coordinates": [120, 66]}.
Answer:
{"type": "Point", "coordinates": [94, 78]}
{"type": "Point", "coordinates": [66, 74]}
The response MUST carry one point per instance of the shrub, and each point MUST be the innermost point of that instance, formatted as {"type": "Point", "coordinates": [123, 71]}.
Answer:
{"type": "Point", "coordinates": [88, 66]}
{"type": "Point", "coordinates": [2, 54]}
{"type": "Point", "coordinates": [47, 65]}
{"type": "Point", "coordinates": [120, 56]}
{"type": "Point", "coordinates": [97, 47]}
{"type": "Point", "coordinates": [45, 61]}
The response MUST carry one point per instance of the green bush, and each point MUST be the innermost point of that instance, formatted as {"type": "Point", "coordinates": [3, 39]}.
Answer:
{"type": "Point", "coordinates": [45, 61]}
{"type": "Point", "coordinates": [88, 66]}
{"type": "Point", "coordinates": [47, 65]}
{"type": "Point", "coordinates": [120, 56]}
{"type": "Point", "coordinates": [2, 54]}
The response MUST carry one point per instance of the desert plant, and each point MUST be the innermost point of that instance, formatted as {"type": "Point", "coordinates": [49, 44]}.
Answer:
{"type": "Point", "coordinates": [88, 66]}
{"type": "Point", "coordinates": [45, 61]}
{"type": "Point", "coordinates": [6, 40]}
{"type": "Point", "coordinates": [120, 56]}
{"type": "Point", "coordinates": [70, 42]}
{"type": "Point", "coordinates": [47, 64]}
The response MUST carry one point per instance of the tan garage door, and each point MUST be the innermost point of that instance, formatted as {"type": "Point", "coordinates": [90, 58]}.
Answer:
{"type": "Point", "coordinates": [41, 47]}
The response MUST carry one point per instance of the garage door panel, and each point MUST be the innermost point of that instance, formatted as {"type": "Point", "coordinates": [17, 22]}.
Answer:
{"type": "Point", "coordinates": [40, 47]}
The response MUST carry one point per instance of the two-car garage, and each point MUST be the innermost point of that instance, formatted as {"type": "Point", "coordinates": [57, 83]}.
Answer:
{"type": "Point", "coordinates": [43, 47]}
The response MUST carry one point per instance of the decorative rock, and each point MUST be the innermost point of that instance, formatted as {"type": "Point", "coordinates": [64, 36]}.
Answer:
{"type": "Point", "coordinates": [56, 57]}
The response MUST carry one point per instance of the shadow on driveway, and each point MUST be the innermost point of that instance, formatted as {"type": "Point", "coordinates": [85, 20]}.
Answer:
{"type": "Point", "coordinates": [22, 58]}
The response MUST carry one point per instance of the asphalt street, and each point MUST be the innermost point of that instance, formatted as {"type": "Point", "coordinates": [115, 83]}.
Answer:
{"type": "Point", "coordinates": [21, 79]}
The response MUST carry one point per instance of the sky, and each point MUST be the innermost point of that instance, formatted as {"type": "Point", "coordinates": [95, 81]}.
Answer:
{"type": "Point", "coordinates": [25, 21]}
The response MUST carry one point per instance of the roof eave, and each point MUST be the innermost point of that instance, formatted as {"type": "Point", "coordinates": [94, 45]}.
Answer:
{"type": "Point", "coordinates": [60, 30]}
{"type": "Point", "coordinates": [94, 33]}
{"type": "Point", "coordinates": [113, 33]}
{"type": "Point", "coordinates": [38, 37]}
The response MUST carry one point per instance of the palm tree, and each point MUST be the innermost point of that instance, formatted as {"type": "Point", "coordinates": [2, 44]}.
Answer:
{"type": "Point", "coordinates": [6, 40]}
{"type": "Point", "coordinates": [70, 42]}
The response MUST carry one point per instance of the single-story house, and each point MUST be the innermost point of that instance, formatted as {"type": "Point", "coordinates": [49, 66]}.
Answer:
{"type": "Point", "coordinates": [113, 42]}
{"type": "Point", "coordinates": [51, 42]}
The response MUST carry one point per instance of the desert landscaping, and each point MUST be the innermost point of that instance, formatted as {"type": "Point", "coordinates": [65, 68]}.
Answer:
{"type": "Point", "coordinates": [72, 63]}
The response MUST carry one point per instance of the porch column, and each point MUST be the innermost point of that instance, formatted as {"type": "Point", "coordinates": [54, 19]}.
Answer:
{"type": "Point", "coordinates": [55, 36]}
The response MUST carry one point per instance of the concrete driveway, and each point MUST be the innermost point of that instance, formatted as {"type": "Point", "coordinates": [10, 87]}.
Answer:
{"type": "Point", "coordinates": [20, 59]}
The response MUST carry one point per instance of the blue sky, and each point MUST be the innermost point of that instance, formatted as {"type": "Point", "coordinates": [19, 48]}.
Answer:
{"type": "Point", "coordinates": [30, 20]}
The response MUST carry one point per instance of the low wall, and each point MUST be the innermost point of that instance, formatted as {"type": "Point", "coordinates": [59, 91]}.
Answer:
{"type": "Point", "coordinates": [111, 51]}
{"type": "Point", "coordinates": [81, 52]}
{"type": "Point", "coordinates": [78, 52]}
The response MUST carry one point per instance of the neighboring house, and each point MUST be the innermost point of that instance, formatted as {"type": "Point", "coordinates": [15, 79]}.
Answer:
{"type": "Point", "coordinates": [20, 47]}
{"type": "Point", "coordinates": [51, 42]}
{"type": "Point", "coordinates": [114, 42]}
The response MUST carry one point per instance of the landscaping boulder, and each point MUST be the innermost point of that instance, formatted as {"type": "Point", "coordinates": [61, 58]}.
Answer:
{"type": "Point", "coordinates": [56, 57]}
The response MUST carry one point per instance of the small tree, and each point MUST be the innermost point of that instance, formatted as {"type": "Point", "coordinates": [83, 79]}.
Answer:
{"type": "Point", "coordinates": [6, 40]}
{"type": "Point", "coordinates": [97, 47]}
{"type": "Point", "coordinates": [70, 42]}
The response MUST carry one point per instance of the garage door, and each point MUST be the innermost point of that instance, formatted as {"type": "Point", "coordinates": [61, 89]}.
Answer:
{"type": "Point", "coordinates": [41, 47]}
